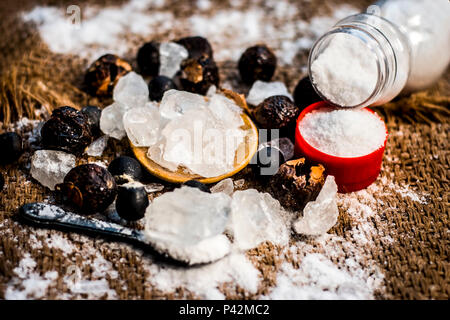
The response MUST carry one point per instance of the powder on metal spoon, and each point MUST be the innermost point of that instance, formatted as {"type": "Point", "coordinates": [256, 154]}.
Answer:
{"type": "Point", "coordinates": [343, 132]}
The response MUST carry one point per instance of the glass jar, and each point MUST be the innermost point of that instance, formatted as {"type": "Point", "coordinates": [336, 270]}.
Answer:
{"type": "Point", "coordinates": [408, 39]}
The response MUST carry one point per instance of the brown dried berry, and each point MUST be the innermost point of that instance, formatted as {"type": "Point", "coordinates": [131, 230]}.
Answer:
{"type": "Point", "coordinates": [103, 74]}
{"type": "Point", "coordinates": [198, 74]}
{"type": "Point", "coordinates": [297, 182]}
{"type": "Point", "coordinates": [68, 130]}
{"type": "Point", "coordinates": [88, 187]}
{"type": "Point", "coordinates": [196, 46]}
{"type": "Point", "coordinates": [148, 59]}
{"type": "Point", "coordinates": [257, 63]}
{"type": "Point", "coordinates": [276, 112]}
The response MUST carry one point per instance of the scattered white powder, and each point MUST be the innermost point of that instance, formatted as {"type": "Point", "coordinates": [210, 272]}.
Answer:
{"type": "Point", "coordinates": [114, 29]}
{"type": "Point", "coordinates": [343, 133]}
{"type": "Point", "coordinates": [204, 281]}
{"type": "Point", "coordinates": [57, 241]}
{"type": "Point", "coordinates": [346, 71]}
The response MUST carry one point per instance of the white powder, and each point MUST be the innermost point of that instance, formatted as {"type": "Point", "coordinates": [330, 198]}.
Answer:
{"type": "Point", "coordinates": [346, 72]}
{"type": "Point", "coordinates": [343, 133]}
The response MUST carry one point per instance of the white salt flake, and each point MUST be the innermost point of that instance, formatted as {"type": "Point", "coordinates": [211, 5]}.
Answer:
{"type": "Point", "coordinates": [343, 132]}
{"type": "Point", "coordinates": [142, 125]}
{"type": "Point", "coordinates": [261, 90]}
{"type": "Point", "coordinates": [131, 90]}
{"type": "Point", "coordinates": [49, 167]}
{"type": "Point", "coordinates": [320, 215]}
{"type": "Point", "coordinates": [188, 224]}
{"type": "Point", "coordinates": [226, 186]}
{"type": "Point", "coordinates": [256, 217]}
{"type": "Point", "coordinates": [97, 147]}
{"type": "Point", "coordinates": [171, 55]}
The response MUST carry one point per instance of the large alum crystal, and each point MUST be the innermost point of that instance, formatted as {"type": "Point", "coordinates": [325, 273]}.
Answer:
{"type": "Point", "coordinates": [257, 217]}
{"type": "Point", "coordinates": [142, 125]}
{"type": "Point", "coordinates": [97, 147]}
{"type": "Point", "coordinates": [320, 215]}
{"type": "Point", "coordinates": [49, 167]}
{"type": "Point", "coordinates": [171, 55]}
{"type": "Point", "coordinates": [226, 186]}
{"type": "Point", "coordinates": [262, 90]}
{"type": "Point", "coordinates": [131, 90]}
{"type": "Point", "coordinates": [175, 103]}
{"type": "Point", "coordinates": [187, 224]}
{"type": "Point", "coordinates": [111, 120]}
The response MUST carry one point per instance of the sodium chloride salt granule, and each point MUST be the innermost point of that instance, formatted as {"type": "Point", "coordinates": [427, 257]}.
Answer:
{"type": "Point", "coordinates": [346, 72]}
{"type": "Point", "coordinates": [343, 132]}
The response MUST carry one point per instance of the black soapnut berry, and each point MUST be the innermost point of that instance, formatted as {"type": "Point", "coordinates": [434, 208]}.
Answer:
{"type": "Point", "coordinates": [276, 112]}
{"type": "Point", "coordinates": [11, 146]}
{"type": "Point", "coordinates": [158, 85]}
{"type": "Point", "coordinates": [125, 169]}
{"type": "Point", "coordinates": [257, 63]}
{"type": "Point", "coordinates": [131, 202]}
{"type": "Point", "coordinates": [148, 59]}
{"type": "Point", "coordinates": [198, 74]}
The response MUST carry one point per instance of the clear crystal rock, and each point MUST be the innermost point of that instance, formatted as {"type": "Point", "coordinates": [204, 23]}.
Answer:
{"type": "Point", "coordinates": [171, 55]}
{"type": "Point", "coordinates": [97, 147]}
{"type": "Point", "coordinates": [187, 216]}
{"type": "Point", "coordinates": [320, 215]}
{"type": "Point", "coordinates": [257, 217]}
{"type": "Point", "coordinates": [131, 90]}
{"type": "Point", "coordinates": [239, 183]}
{"type": "Point", "coordinates": [175, 103]}
{"type": "Point", "coordinates": [49, 167]}
{"type": "Point", "coordinates": [111, 120]}
{"type": "Point", "coordinates": [226, 186]}
{"type": "Point", "coordinates": [142, 125]}
{"type": "Point", "coordinates": [262, 90]}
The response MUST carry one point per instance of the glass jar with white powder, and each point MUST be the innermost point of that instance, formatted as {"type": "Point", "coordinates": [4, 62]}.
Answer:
{"type": "Point", "coordinates": [367, 59]}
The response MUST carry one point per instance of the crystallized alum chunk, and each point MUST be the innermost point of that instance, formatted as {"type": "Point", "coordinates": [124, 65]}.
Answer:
{"type": "Point", "coordinates": [111, 120]}
{"type": "Point", "coordinates": [322, 214]}
{"type": "Point", "coordinates": [142, 125]}
{"type": "Point", "coordinates": [131, 90]}
{"type": "Point", "coordinates": [226, 186]}
{"type": "Point", "coordinates": [262, 90]}
{"type": "Point", "coordinates": [49, 167]}
{"type": "Point", "coordinates": [171, 55]}
{"type": "Point", "coordinates": [175, 103]}
{"type": "Point", "coordinates": [97, 147]}
{"type": "Point", "coordinates": [256, 217]}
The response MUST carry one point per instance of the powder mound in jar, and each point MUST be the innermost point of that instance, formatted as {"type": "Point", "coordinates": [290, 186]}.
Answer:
{"type": "Point", "coordinates": [343, 133]}
{"type": "Point", "coordinates": [346, 72]}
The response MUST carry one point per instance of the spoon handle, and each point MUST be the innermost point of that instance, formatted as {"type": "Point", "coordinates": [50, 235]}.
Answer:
{"type": "Point", "coordinates": [53, 216]}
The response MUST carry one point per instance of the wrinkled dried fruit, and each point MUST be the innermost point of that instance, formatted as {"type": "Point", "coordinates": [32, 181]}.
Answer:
{"type": "Point", "coordinates": [304, 94]}
{"type": "Point", "coordinates": [148, 59]}
{"type": "Point", "coordinates": [196, 46]}
{"type": "Point", "coordinates": [93, 114]}
{"type": "Point", "coordinates": [89, 187]}
{"type": "Point", "coordinates": [198, 185]}
{"type": "Point", "coordinates": [297, 182]}
{"type": "Point", "coordinates": [11, 147]}
{"type": "Point", "coordinates": [103, 74]}
{"type": "Point", "coordinates": [276, 112]}
{"type": "Point", "coordinates": [198, 74]}
{"type": "Point", "coordinates": [131, 201]}
{"type": "Point", "coordinates": [257, 63]}
{"type": "Point", "coordinates": [67, 130]}
{"type": "Point", "coordinates": [125, 169]}
{"type": "Point", "coordinates": [158, 85]}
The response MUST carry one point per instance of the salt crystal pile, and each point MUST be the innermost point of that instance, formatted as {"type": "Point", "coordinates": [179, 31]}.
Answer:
{"type": "Point", "coordinates": [346, 72]}
{"type": "Point", "coordinates": [142, 125]}
{"type": "Point", "coordinates": [131, 91]}
{"type": "Point", "coordinates": [198, 135]}
{"type": "Point", "coordinates": [171, 55]}
{"type": "Point", "coordinates": [320, 215]}
{"type": "Point", "coordinates": [49, 167]}
{"type": "Point", "coordinates": [343, 133]}
{"type": "Point", "coordinates": [262, 90]}
{"type": "Point", "coordinates": [256, 217]}
{"type": "Point", "coordinates": [97, 147]}
{"type": "Point", "coordinates": [188, 224]}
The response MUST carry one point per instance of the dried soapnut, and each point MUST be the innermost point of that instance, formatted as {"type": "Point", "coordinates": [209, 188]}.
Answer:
{"type": "Point", "coordinates": [11, 146]}
{"type": "Point", "coordinates": [148, 59]}
{"type": "Point", "coordinates": [158, 85]}
{"type": "Point", "coordinates": [297, 182]}
{"type": "Point", "coordinates": [198, 74]}
{"type": "Point", "coordinates": [68, 130]}
{"type": "Point", "coordinates": [276, 112]}
{"type": "Point", "coordinates": [196, 46]}
{"type": "Point", "coordinates": [257, 63]}
{"type": "Point", "coordinates": [103, 74]}
{"type": "Point", "coordinates": [304, 93]}
{"type": "Point", "coordinates": [89, 187]}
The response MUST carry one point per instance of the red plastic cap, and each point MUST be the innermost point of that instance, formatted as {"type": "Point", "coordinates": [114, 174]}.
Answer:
{"type": "Point", "coordinates": [351, 173]}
